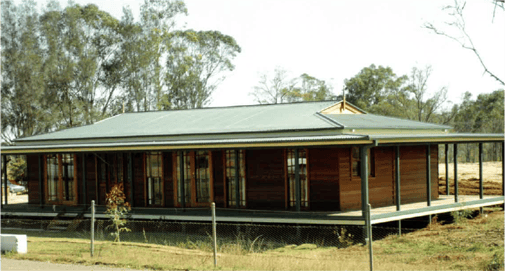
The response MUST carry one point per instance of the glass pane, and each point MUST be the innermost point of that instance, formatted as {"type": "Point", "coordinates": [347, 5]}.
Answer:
{"type": "Point", "coordinates": [68, 176]}
{"type": "Point", "coordinates": [52, 177]}
{"type": "Point", "coordinates": [202, 176]}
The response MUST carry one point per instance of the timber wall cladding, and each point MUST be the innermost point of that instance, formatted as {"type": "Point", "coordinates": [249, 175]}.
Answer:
{"type": "Point", "coordinates": [218, 170]}
{"type": "Point", "coordinates": [350, 188]}
{"type": "Point", "coordinates": [168, 179]}
{"type": "Point", "coordinates": [324, 175]}
{"type": "Point", "coordinates": [413, 173]}
{"type": "Point", "coordinates": [381, 186]}
{"type": "Point", "coordinates": [265, 179]}
{"type": "Point", "coordinates": [138, 180]}
{"type": "Point", "coordinates": [90, 178]}
{"type": "Point", "coordinates": [32, 164]}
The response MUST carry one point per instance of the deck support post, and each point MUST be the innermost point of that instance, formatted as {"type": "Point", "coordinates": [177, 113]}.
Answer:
{"type": "Point", "coordinates": [297, 182]}
{"type": "Point", "coordinates": [181, 179]}
{"type": "Point", "coordinates": [41, 181]}
{"type": "Point", "coordinates": [398, 188]}
{"type": "Point", "coordinates": [1, 198]}
{"type": "Point", "coordinates": [481, 186]}
{"type": "Point", "coordinates": [455, 172]}
{"type": "Point", "coordinates": [130, 177]}
{"type": "Point", "coordinates": [447, 169]}
{"type": "Point", "coordinates": [363, 152]}
{"type": "Point", "coordinates": [84, 199]}
{"type": "Point", "coordinates": [503, 169]}
{"type": "Point", "coordinates": [428, 175]}
{"type": "Point", "coordinates": [6, 189]}
{"type": "Point", "coordinates": [237, 179]}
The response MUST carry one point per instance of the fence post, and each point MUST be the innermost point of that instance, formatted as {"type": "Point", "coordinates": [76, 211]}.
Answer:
{"type": "Point", "coordinates": [369, 231]}
{"type": "Point", "coordinates": [92, 227]}
{"type": "Point", "coordinates": [214, 241]}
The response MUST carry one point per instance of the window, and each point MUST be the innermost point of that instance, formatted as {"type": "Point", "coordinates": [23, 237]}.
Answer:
{"type": "Point", "coordinates": [60, 178]}
{"type": "Point", "coordinates": [230, 181]}
{"type": "Point", "coordinates": [195, 184]}
{"type": "Point", "coordinates": [291, 177]}
{"type": "Point", "coordinates": [356, 162]}
{"type": "Point", "coordinates": [154, 178]}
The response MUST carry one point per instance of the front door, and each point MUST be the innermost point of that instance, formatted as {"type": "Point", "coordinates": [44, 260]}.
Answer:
{"type": "Point", "coordinates": [61, 179]}
{"type": "Point", "coordinates": [194, 178]}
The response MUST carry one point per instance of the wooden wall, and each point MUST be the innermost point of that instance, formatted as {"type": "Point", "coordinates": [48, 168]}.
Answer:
{"type": "Point", "coordinates": [265, 179]}
{"type": "Point", "coordinates": [332, 187]}
{"type": "Point", "coordinates": [324, 176]}
{"type": "Point", "coordinates": [32, 178]}
{"type": "Point", "coordinates": [413, 173]}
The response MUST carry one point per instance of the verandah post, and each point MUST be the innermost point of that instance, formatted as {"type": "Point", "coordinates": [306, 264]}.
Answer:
{"type": "Point", "coordinates": [237, 179]}
{"type": "Point", "coordinates": [297, 182]}
{"type": "Point", "coordinates": [503, 169]}
{"type": "Point", "coordinates": [481, 187]}
{"type": "Point", "coordinates": [455, 172]}
{"type": "Point", "coordinates": [398, 188]}
{"type": "Point", "coordinates": [363, 151]}
{"type": "Point", "coordinates": [447, 169]}
{"type": "Point", "coordinates": [130, 177]}
{"type": "Point", "coordinates": [181, 179]}
{"type": "Point", "coordinates": [84, 199]}
{"type": "Point", "coordinates": [1, 198]}
{"type": "Point", "coordinates": [428, 175]}
{"type": "Point", "coordinates": [6, 189]}
{"type": "Point", "coordinates": [41, 181]}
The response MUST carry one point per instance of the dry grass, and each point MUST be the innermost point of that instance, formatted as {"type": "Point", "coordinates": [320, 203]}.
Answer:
{"type": "Point", "coordinates": [468, 178]}
{"type": "Point", "coordinates": [470, 244]}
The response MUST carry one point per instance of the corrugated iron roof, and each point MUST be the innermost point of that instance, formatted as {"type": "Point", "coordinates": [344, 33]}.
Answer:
{"type": "Point", "coordinates": [239, 119]}
{"type": "Point", "coordinates": [371, 121]}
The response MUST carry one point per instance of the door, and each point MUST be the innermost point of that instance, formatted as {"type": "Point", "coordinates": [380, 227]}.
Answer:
{"type": "Point", "coordinates": [61, 179]}
{"type": "Point", "coordinates": [193, 178]}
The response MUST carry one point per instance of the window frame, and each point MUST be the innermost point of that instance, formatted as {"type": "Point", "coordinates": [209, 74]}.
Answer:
{"type": "Point", "coordinates": [242, 188]}
{"type": "Point", "coordinates": [371, 163]}
{"type": "Point", "coordinates": [59, 193]}
{"type": "Point", "coordinates": [288, 201]}
{"type": "Point", "coordinates": [161, 176]}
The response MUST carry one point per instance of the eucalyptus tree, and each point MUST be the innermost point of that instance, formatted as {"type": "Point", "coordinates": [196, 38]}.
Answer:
{"type": "Point", "coordinates": [196, 63]}
{"type": "Point", "coordinates": [23, 112]}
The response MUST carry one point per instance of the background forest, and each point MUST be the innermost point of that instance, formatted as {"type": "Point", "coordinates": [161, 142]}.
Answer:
{"type": "Point", "coordinates": [75, 65]}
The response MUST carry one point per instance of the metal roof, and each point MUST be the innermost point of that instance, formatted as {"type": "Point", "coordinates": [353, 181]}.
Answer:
{"type": "Point", "coordinates": [239, 119]}
{"type": "Point", "coordinates": [371, 121]}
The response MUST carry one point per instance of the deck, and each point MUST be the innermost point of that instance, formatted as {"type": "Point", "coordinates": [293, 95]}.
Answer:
{"type": "Point", "coordinates": [378, 215]}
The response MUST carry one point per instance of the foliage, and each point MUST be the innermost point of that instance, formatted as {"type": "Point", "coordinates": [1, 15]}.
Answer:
{"type": "Point", "coordinates": [72, 66]}
{"type": "Point", "coordinates": [281, 89]}
{"type": "Point", "coordinates": [117, 209]}
{"type": "Point", "coordinates": [16, 169]}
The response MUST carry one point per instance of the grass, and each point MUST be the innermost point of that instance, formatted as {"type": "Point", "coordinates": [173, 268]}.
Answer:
{"type": "Point", "coordinates": [475, 243]}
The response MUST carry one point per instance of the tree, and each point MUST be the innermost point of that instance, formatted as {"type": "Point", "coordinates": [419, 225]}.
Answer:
{"type": "Point", "coordinates": [372, 85]}
{"type": "Point", "coordinates": [457, 31]}
{"type": "Point", "coordinates": [281, 89]}
{"type": "Point", "coordinates": [273, 90]}
{"type": "Point", "coordinates": [195, 66]}
{"type": "Point", "coordinates": [309, 88]}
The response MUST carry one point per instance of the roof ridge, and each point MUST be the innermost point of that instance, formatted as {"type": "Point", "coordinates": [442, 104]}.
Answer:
{"type": "Point", "coordinates": [235, 106]}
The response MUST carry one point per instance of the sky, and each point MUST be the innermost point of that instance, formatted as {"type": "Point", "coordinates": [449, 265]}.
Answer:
{"type": "Point", "coordinates": [333, 40]}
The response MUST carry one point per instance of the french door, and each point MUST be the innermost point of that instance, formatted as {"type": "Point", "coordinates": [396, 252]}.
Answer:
{"type": "Point", "coordinates": [61, 179]}
{"type": "Point", "coordinates": [193, 178]}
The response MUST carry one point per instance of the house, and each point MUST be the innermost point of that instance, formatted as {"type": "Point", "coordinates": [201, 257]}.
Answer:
{"type": "Point", "coordinates": [311, 162]}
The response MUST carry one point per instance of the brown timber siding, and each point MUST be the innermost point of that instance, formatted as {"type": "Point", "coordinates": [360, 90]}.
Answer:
{"type": "Point", "coordinates": [218, 171]}
{"type": "Point", "coordinates": [381, 186]}
{"type": "Point", "coordinates": [324, 176]}
{"type": "Point", "coordinates": [413, 173]}
{"type": "Point", "coordinates": [32, 164]}
{"type": "Point", "coordinates": [168, 179]}
{"type": "Point", "coordinates": [138, 180]}
{"type": "Point", "coordinates": [350, 188]}
{"type": "Point", "coordinates": [265, 179]}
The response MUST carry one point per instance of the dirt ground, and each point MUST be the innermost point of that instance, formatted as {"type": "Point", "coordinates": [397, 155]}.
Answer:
{"type": "Point", "coordinates": [468, 178]}
{"type": "Point", "coordinates": [11, 264]}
